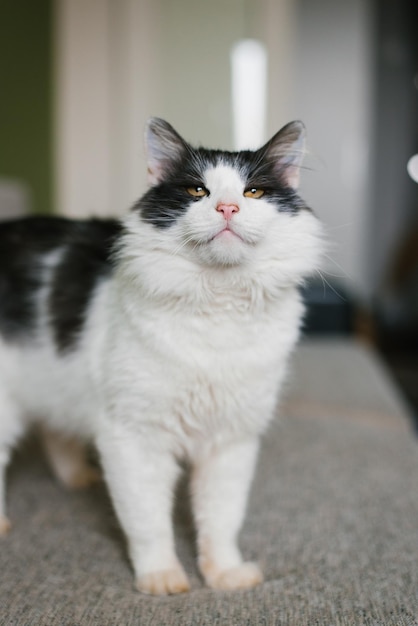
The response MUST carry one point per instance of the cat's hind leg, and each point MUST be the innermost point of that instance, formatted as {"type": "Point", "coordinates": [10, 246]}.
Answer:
{"type": "Point", "coordinates": [67, 457]}
{"type": "Point", "coordinates": [4, 521]}
{"type": "Point", "coordinates": [220, 484]}
{"type": "Point", "coordinates": [11, 428]}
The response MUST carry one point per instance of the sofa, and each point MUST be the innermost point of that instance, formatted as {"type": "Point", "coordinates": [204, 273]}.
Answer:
{"type": "Point", "coordinates": [332, 519]}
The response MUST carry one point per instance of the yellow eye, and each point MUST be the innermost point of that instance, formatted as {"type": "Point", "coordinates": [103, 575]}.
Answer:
{"type": "Point", "coordinates": [254, 193]}
{"type": "Point", "coordinates": [197, 192]}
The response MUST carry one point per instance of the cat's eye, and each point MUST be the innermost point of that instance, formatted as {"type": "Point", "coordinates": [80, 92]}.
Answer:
{"type": "Point", "coordinates": [197, 192]}
{"type": "Point", "coordinates": [254, 192]}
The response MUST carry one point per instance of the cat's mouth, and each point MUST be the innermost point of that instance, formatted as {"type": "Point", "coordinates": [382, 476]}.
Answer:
{"type": "Point", "coordinates": [226, 234]}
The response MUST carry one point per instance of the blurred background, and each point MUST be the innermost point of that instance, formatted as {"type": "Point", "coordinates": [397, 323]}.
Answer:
{"type": "Point", "coordinates": [79, 78]}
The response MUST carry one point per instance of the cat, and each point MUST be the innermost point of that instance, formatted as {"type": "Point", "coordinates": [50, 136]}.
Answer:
{"type": "Point", "coordinates": [162, 337]}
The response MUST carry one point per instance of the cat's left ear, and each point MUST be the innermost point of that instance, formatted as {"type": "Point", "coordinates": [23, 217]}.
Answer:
{"type": "Point", "coordinates": [164, 148]}
{"type": "Point", "coordinates": [286, 151]}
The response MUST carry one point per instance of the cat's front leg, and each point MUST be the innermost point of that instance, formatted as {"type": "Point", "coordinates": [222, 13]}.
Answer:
{"type": "Point", "coordinates": [220, 484]}
{"type": "Point", "coordinates": [141, 474]}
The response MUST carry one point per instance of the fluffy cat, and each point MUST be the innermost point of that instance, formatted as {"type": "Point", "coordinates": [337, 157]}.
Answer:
{"type": "Point", "coordinates": [160, 338]}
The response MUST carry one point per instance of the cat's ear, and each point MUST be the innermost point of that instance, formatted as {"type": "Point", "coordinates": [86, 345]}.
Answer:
{"type": "Point", "coordinates": [286, 151]}
{"type": "Point", "coordinates": [164, 148]}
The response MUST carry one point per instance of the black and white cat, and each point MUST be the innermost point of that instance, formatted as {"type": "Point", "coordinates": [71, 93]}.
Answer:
{"type": "Point", "coordinates": [162, 337]}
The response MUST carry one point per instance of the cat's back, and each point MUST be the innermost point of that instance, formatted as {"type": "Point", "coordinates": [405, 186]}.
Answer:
{"type": "Point", "coordinates": [49, 267]}
{"type": "Point", "coordinates": [28, 239]}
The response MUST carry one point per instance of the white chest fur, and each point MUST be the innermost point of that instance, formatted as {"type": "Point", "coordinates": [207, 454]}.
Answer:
{"type": "Point", "coordinates": [203, 371]}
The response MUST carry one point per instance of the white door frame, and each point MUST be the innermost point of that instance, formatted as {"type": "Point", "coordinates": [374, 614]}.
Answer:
{"type": "Point", "coordinates": [106, 78]}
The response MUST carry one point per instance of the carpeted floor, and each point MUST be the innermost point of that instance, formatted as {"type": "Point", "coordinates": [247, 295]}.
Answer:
{"type": "Point", "coordinates": [333, 520]}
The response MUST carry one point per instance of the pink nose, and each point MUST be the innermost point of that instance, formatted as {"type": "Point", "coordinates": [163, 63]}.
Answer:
{"type": "Point", "coordinates": [227, 210]}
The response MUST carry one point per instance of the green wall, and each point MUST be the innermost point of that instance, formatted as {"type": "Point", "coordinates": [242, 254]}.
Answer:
{"type": "Point", "coordinates": [26, 97]}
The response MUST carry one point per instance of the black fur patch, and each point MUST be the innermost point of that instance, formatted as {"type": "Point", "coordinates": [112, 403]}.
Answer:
{"type": "Point", "coordinates": [164, 203]}
{"type": "Point", "coordinates": [86, 257]}
{"type": "Point", "coordinates": [86, 260]}
{"type": "Point", "coordinates": [20, 278]}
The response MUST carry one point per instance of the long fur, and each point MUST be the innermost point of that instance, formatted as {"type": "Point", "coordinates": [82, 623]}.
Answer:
{"type": "Point", "coordinates": [163, 338]}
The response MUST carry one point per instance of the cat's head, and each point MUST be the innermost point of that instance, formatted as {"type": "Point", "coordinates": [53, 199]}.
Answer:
{"type": "Point", "coordinates": [221, 208]}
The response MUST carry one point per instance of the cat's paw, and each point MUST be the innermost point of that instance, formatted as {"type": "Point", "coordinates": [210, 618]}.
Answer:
{"type": "Point", "coordinates": [5, 525]}
{"type": "Point", "coordinates": [163, 582]}
{"type": "Point", "coordinates": [242, 576]}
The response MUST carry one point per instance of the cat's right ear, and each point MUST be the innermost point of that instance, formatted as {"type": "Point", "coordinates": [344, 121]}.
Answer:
{"type": "Point", "coordinates": [286, 151]}
{"type": "Point", "coordinates": [164, 148]}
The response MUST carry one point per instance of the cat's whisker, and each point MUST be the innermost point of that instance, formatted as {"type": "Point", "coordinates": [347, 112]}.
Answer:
{"type": "Point", "coordinates": [332, 275]}
{"type": "Point", "coordinates": [184, 243]}
{"type": "Point", "coordinates": [334, 262]}
{"type": "Point", "coordinates": [328, 284]}
{"type": "Point", "coordinates": [339, 227]}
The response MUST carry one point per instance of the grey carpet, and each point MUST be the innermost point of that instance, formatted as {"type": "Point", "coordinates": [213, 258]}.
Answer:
{"type": "Point", "coordinates": [333, 520]}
